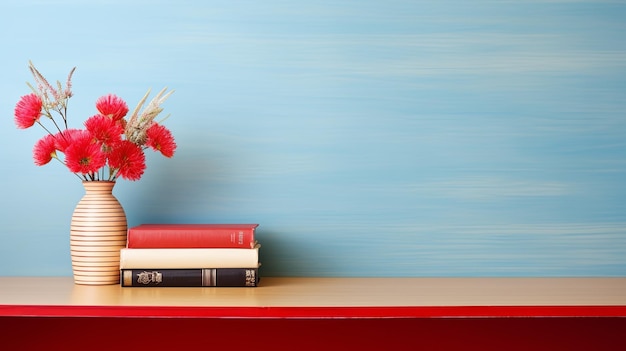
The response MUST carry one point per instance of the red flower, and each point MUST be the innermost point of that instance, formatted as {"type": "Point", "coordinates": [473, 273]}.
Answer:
{"type": "Point", "coordinates": [27, 111]}
{"type": "Point", "coordinates": [128, 159]}
{"type": "Point", "coordinates": [108, 142]}
{"type": "Point", "coordinates": [65, 138]}
{"type": "Point", "coordinates": [44, 150]}
{"type": "Point", "coordinates": [104, 129]}
{"type": "Point", "coordinates": [161, 139]}
{"type": "Point", "coordinates": [84, 155]}
{"type": "Point", "coordinates": [112, 106]}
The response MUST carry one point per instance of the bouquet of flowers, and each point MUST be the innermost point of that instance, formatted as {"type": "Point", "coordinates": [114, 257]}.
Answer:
{"type": "Point", "coordinates": [110, 145]}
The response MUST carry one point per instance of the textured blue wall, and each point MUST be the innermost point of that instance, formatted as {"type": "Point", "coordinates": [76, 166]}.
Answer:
{"type": "Point", "coordinates": [367, 138]}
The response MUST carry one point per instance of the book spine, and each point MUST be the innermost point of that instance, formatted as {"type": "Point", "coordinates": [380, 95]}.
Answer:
{"type": "Point", "coordinates": [189, 258]}
{"type": "Point", "coordinates": [205, 277]}
{"type": "Point", "coordinates": [155, 237]}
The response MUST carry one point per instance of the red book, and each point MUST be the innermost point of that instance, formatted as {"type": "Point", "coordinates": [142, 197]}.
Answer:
{"type": "Point", "coordinates": [161, 236]}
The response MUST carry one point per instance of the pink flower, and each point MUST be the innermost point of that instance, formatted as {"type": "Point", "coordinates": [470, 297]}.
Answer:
{"type": "Point", "coordinates": [161, 139]}
{"type": "Point", "coordinates": [44, 150]}
{"type": "Point", "coordinates": [112, 106]}
{"type": "Point", "coordinates": [128, 159]}
{"type": "Point", "coordinates": [84, 155]}
{"type": "Point", "coordinates": [104, 129]}
{"type": "Point", "coordinates": [28, 110]}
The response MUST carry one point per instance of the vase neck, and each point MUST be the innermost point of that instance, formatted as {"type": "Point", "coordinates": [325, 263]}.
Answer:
{"type": "Point", "coordinates": [98, 186]}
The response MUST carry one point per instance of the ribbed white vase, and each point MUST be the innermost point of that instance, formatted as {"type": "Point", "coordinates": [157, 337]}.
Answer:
{"type": "Point", "coordinates": [97, 233]}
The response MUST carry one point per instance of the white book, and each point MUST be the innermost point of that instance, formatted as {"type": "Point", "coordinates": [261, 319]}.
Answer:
{"type": "Point", "coordinates": [189, 258]}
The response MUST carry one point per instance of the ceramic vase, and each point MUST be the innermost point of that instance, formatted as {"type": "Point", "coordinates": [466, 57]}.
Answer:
{"type": "Point", "coordinates": [97, 233]}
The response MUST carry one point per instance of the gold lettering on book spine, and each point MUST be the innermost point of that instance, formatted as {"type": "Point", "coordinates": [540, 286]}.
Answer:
{"type": "Point", "coordinates": [146, 277]}
{"type": "Point", "coordinates": [250, 277]}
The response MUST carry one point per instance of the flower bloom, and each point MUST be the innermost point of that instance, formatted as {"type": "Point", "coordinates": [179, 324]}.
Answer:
{"type": "Point", "coordinates": [105, 130]}
{"type": "Point", "coordinates": [28, 110]}
{"type": "Point", "coordinates": [65, 138]}
{"type": "Point", "coordinates": [128, 159]}
{"type": "Point", "coordinates": [112, 106]}
{"type": "Point", "coordinates": [160, 139]}
{"type": "Point", "coordinates": [84, 155]}
{"type": "Point", "coordinates": [44, 150]}
{"type": "Point", "coordinates": [110, 142]}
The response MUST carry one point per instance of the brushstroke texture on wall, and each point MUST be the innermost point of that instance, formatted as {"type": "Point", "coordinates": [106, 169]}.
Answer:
{"type": "Point", "coordinates": [367, 138]}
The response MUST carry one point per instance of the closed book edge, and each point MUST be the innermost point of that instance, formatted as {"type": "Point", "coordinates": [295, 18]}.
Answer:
{"type": "Point", "coordinates": [191, 235]}
{"type": "Point", "coordinates": [198, 277]}
{"type": "Point", "coordinates": [189, 258]}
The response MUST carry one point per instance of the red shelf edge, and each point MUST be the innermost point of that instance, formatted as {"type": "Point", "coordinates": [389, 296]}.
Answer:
{"type": "Point", "coordinates": [312, 312]}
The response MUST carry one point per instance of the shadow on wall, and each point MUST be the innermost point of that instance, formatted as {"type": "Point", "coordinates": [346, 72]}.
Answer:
{"type": "Point", "coordinates": [200, 184]}
{"type": "Point", "coordinates": [175, 190]}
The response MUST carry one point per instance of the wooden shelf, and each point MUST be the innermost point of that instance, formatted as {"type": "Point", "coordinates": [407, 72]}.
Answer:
{"type": "Point", "coordinates": [317, 314]}
{"type": "Point", "coordinates": [323, 298]}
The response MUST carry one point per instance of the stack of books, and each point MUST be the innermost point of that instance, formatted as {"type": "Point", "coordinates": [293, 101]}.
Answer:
{"type": "Point", "coordinates": [188, 255]}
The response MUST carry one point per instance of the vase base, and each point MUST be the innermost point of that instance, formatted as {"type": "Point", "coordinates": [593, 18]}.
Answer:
{"type": "Point", "coordinates": [96, 280]}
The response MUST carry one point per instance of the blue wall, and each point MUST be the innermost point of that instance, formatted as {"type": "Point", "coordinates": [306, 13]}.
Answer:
{"type": "Point", "coordinates": [367, 138]}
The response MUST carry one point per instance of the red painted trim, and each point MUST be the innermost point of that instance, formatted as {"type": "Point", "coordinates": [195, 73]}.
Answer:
{"type": "Point", "coordinates": [313, 312]}
{"type": "Point", "coordinates": [276, 334]}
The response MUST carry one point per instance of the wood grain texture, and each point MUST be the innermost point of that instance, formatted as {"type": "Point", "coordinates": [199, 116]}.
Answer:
{"type": "Point", "coordinates": [320, 297]}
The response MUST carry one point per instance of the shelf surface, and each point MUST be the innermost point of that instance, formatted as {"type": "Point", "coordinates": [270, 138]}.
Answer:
{"type": "Point", "coordinates": [323, 298]}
